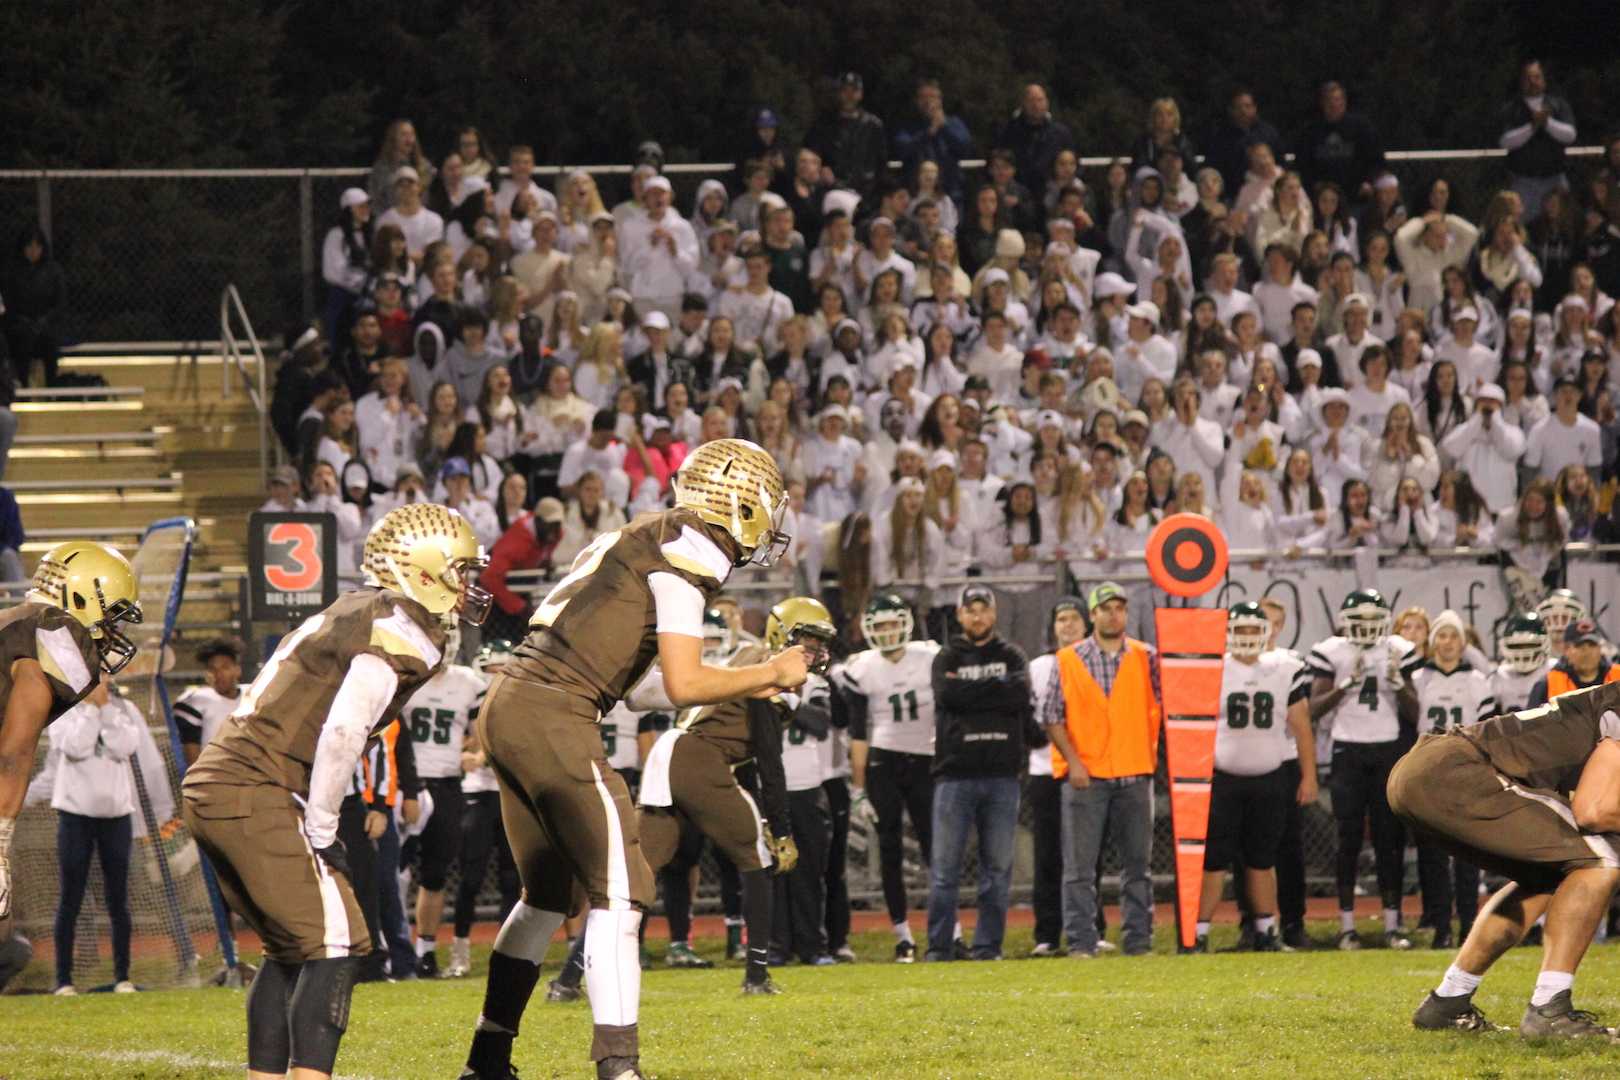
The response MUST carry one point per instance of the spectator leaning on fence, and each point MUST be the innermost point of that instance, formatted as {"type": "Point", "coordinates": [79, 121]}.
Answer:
{"type": "Point", "coordinates": [1103, 714]}
{"type": "Point", "coordinates": [984, 724]}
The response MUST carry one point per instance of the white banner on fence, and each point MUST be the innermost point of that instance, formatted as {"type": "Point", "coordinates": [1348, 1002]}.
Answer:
{"type": "Point", "coordinates": [1312, 592]}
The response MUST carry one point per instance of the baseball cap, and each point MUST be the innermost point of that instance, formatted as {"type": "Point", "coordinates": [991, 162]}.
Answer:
{"type": "Point", "coordinates": [284, 474]}
{"type": "Point", "coordinates": [851, 78]}
{"type": "Point", "coordinates": [973, 593]}
{"type": "Point", "coordinates": [353, 197]}
{"type": "Point", "coordinates": [1049, 417]}
{"type": "Point", "coordinates": [1108, 590]}
{"type": "Point", "coordinates": [1058, 247]}
{"type": "Point", "coordinates": [1111, 284]}
{"type": "Point", "coordinates": [846, 324]}
{"type": "Point", "coordinates": [1468, 312]}
{"type": "Point", "coordinates": [908, 483]}
{"type": "Point", "coordinates": [767, 118]}
{"type": "Point", "coordinates": [833, 411]}
{"type": "Point", "coordinates": [549, 510]}
{"type": "Point", "coordinates": [1134, 416]}
{"type": "Point", "coordinates": [883, 220]}
{"type": "Point", "coordinates": [996, 276]}
{"type": "Point", "coordinates": [1521, 313]}
{"type": "Point", "coordinates": [1333, 395]}
{"type": "Point", "coordinates": [656, 183]}
{"type": "Point", "coordinates": [1490, 392]}
{"type": "Point", "coordinates": [1147, 309]}
{"type": "Point", "coordinates": [651, 424]}
{"type": "Point", "coordinates": [728, 383]}
{"type": "Point", "coordinates": [1308, 358]}
{"type": "Point", "coordinates": [602, 216]}
{"type": "Point", "coordinates": [1583, 632]}
{"type": "Point", "coordinates": [407, 469]}
{"type": "Point", "coordinates": [1068, 603]}
{"type": "Point", "coordinates": [405, 172]}
{"type": "Point", "coordinates": [1563, 381]}
{"type": "Point", "coordinates": [454, 467]}
{"type": "Point", "coordinates": [1356, 299]}
{"type": "Point", "coordinates": [942, 459]}
{"type": "Point", "coordinates": [655, 320]}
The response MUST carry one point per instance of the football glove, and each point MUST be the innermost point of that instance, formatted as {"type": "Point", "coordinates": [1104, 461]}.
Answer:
{"type": "Point", "coordinates": [336, 858]}
{"type": "Point", "coordinates": [784, 851]}
{"type": "Point", "coordinates": [5, 887]}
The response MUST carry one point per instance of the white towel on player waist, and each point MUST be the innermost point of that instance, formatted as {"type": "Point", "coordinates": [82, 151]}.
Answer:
{"type": "Point", "coordinates": [655, 777]}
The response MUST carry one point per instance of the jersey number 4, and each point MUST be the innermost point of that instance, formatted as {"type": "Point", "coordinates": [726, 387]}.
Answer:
{"type": "Point", "coordinates": [1241, 709]}
{"type": "Point", "coordinates": [432, 725]}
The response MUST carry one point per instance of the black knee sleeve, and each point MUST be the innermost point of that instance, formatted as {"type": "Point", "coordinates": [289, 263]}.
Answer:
{"type": "Point", "coordinates": [320, 1012]}
{"type": "Point", "coordinates": [268, 1031]}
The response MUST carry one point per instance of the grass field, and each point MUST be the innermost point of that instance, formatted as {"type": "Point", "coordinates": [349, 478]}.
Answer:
{"type": "Point", "coordinates": [1306, 1015]}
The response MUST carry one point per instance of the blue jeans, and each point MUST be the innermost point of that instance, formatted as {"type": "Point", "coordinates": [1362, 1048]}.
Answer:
{"type": "Point", "coordinates": [988, 804]}
{"type": "Point", "coordinates": [1123, 810]}
{"type": "Point", "coordinates": [77, 839]}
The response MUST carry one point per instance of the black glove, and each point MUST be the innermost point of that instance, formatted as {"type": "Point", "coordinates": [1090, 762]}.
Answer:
{"type": "Point", "coordinates": [336, 858]}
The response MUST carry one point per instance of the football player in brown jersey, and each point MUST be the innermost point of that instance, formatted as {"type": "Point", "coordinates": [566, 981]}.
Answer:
{"type": "Point", "coordinates": [634, 594]}
{"type": "Point", "coordinates": [53, 648]}
{"type": "Point", "coordinates": [263, 797]}
{"type": "Point", "coordinates": [1533, 796]}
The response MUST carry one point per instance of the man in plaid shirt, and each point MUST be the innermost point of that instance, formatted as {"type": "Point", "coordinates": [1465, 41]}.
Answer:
{"type": "Point", "coordinates": [1103, 714]}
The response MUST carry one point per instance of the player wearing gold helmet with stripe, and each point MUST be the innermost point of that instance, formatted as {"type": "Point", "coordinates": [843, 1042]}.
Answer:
{"type": "Point", "coordinates": [263, 797]}
{"type": "Point", "coordinates": [634, 594]}
{"type": "Point", "coordinates": [53, 648]}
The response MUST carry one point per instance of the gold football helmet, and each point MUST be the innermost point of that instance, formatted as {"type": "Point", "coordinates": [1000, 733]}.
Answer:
{"type": "Point", "coordinates": [802, 620]}
{"type": "Point", "coordinates": [95, 584]}
{"type": "Point", "coordinates": [429, 553]}
{"type": "Point", "coordinates": [736, 485]}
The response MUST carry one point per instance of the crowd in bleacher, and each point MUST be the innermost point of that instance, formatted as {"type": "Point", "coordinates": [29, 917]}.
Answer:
{"type": "Point", "coordinates": [997, 370]}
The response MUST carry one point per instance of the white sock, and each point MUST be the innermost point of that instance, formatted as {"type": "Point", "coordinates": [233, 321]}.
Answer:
{"type": "Point", "coordinates": [1392, 920]}
{"type": "Point", "coordinates": [1264, 924]}
{"type": "Point", "coordinates": [902, 931]}
{"type": "Point", "coordinates": [1457, 983]}
{"type": "Point", "coordinates": [527, 931]}
{"type": "Point", "coordinates": [1347, 921]}
{"type": "Point", "coordinates": [734, 920]}
{"type": "Point", "coordinates": [424, 945]}
{"type": "Point", "coordinates": [958, 930]}
{"type": "Point", "coordinates": [462, 942]}
{"type": "Point", "coordinates": [613, 966]}
{"type": "Point", "coordinates": [1550, 984]}
{"type": "Point", "coordinates": [1203, 929]}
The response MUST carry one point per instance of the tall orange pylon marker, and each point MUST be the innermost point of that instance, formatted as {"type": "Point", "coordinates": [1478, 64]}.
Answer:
{"type": "Point", "coordinates": [1186, 556]}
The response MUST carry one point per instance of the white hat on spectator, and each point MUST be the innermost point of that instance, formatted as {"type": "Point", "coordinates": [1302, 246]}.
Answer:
{"type": "Point", "coordinates": [728, 383]}
{"type": "Point", "coordinates": [840, 199]}
{"type": "Point", "coordinates": [353, 197]}
{"type": "Point", "coordinates": [904, 359]}
{"type": "Point", "coordinates": [1387, 181]}
{"type": "Point", "coordinates": [1467, 311]}
{"type": "Point", "coordinates": [882, 220]}
{"type": "Point", "coordinates": [1447, 620]}
{"type": "Point", "coordinates": [651, 423]}
{"type": "Point", "coordinates": [1572, 300]}
{"type": "Point", "coordinates": [405, 172]}
{"type": "Point", "coordinates": [1333, 395]}
{"type": "Point", "coordinates": [942, 459]}
{"type": "Point", "coordinates": [907, 484]}
{"type": "Point", "coordinates": [1111, 284]}
{"type": "Point", "coordinates": [1521, 313]}
{"type": "Point", "coordinates": [1147, 309]}
{"type": "Point", "coordinates": [1490, 392]}
{"type": "Point", "coordinates": [832, 412]}
{"type": "Point", "coordinates": [472, 185]}
{"type": "Point", "coordinates": [1308, 358]}
{"type": "Point", "coordinates": [1134, 416]}
{"type": "Point", "coordinates": [602, 216]}
{"type": "Point", "coordinates": [845, 324]}
{"type": "Point", "coordinates": [1009, 244]}
{"type": "Point", "coordinates": [1058, 247]}
{"type": "Point", "coordinates": [657, 183]}
{"type": "Point", "coordinates": [1048, 418]}
{"type": "Point", "coordinates": [547, 215]}
{"type": "Point", "coordinates": [619, 292]}
{"type": "Point", "coordinates": [655, 320]}
{"type": "Point", "coordinates": [1059, 223]}
{"type": "Point", "coordinates": [1357, 299]}
{"type": "Point", "coordinates": [550, 510]}
{"type": "Point", "coordinates": [910, 446]}
{"type": "Point", "coordinates": [996, 276]}
{"type": "Point", "coordinates": [771, 202]}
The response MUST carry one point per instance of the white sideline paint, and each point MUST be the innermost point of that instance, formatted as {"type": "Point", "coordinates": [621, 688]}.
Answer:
{"type": "Point", "coordinates": [163, 1057]}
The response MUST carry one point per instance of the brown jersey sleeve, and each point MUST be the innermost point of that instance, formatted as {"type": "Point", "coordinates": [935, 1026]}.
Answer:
{"type": "Point", "coordinates": [61, 646]}
{"type": "Point", "coordinates": [408, 638]}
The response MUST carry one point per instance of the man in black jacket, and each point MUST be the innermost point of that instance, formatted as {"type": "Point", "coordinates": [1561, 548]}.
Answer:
{"type": "Point", "coordinates": [1339, 145]}
{"type": "Point", "coordinates": [983, 728]}
{"type": "Point", "coordinates": [853, 144]}
{"type": "Point", "coordinates": [1035, 137]}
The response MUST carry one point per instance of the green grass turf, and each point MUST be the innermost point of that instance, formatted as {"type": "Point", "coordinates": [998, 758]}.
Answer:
{"type": "Point", "coordinates": [1320, 1014]}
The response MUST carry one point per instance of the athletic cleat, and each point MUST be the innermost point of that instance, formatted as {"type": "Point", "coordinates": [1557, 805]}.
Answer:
{"type": "Point", "coordinates": [1450, 1013]}
{"type": "Point", "coordinates": [1104, 945]}
{"type": "Point", "coordinates": [1397, 939]}
{"type": "Point", "coordinates": [764, 986]}
{"type": "Point", "coordinates": [460, 960]}
{"type": "Point", "coordinates": [735, 949]}
{"type": "Point", "coordinates": [65, 990]}
{"type": "Point", "coordinates": [1044, 949]}
{"type": "Point", "coordinates": [124, 986]}
{"type": "Point", "coordinates": [1268, 941]}
{"type": "Point", "coordinates": [680, 955]}
{"type": "Point", "coordinates": [1349, 941]}
{"type": "Point", "coordinates": [905, 952]}
{"type": "Point", "coordinates": [844, 954]}
{"type": "Point", "coordinates": [1558, 1019]}
{"type": "Point", "coordinates": [960, 950]}
{"type": "Point", "coordinates": [1201, 945]}
{"type": "Point", "coordinates": [427, 966]}
{"type": "Point", "coordinates": [822, 960]}
{"type": "Point", "coordinates": [470, 1073]}
{"type": "Point", "coordinates": [561, 993]}
{"type": "Point", "coordinates": [1294, 938]}
{"type": "Point", "coordinates": [619, 1068]}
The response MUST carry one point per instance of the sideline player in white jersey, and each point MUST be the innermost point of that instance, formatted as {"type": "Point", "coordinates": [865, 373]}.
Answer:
{"type": "Point", "coordinates": [1291, 848]}
{"type": "Point", "coordinates": [1557, 610]}
{"type": "Point", "coordinates": [481, 832]}
{"type": "Point", "coordinates": [890, 692]}
{"type": "Point", "coordinates": [799, 896]}
{"type": "Point", "coordinates": [1452, 693]}
{"type": "Point", "coordinates": [1360, 681]}
{"type": "Point", "coordinates": [1044, 792]}
{"type": "Point", "coordinates": [201, 709]}
{"type": "Point", "coordinates": [1525, 661]}
{"type": "Point", "coordinates": [436, 718]}
{"type": "Point", "coordinates": [1265, 704]}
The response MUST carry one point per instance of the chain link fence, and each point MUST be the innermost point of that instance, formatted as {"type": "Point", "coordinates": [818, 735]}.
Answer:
{"type": "Point", "coordinates": [147, 252]}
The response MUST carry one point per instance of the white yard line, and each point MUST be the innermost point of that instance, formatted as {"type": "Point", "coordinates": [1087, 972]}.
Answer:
{"type": "Point", "coordinates": [163, 1057]}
